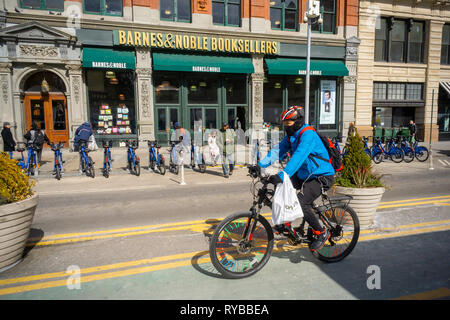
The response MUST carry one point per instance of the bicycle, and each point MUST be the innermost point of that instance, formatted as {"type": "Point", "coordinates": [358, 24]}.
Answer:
{"type": "Point", "coordinates": [420, 152]}
{"type": "Point", "coordinates": [29, 166]}
{"type": "Point", "coordinates": [87, 164]}
{"type": "Point", "coordinates": [407, 150]}
{"type": "Point", "coordinates": [390, 150]}
{"type": "Point", "coordinates": [155, 158]}
{"type": "Point", "coordinates": [107, 161]}
{"type": "Point", "coordinates": [335, 141]}
{"type": "Point", "coordinates": [243, 242]}
{"type": "Point", "coordinates": [58, 168]}
{"type": "Point", "coordinates": [133, 162]}
{"type": "Point", "coordinates": [197, 158]}
{"type": "Point", "coordinates": [174, 161]}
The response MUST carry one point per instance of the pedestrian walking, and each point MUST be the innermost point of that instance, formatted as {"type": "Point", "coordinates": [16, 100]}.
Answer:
{"type": "Point", "coordinates": [227, 145]}
{"type": "Point", "coordinates": [83, 133]}
{"type": "Point", "coordinates": [214, 150]}
{"type": "Point", "coordinates": [9, 145]}
{"type": "Point", "coordinates": [412, 131]}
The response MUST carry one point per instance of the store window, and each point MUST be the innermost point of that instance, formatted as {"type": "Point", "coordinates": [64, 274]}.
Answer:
{"type": "Point", "coordinates": [175, 10]}
{"type": "Point", "coordinates": [103, 7]}
{"type": "Point", "coordinates": [227, 12]}
{"type": "Point", "coordinates": [57, 5]}
{"type": "Point", "coordinates": [328, 12]}
{"type": "Point", "coordinates": [284, 14]}
{"type": "Point", "coordinates": [445, 50]}
{"type": "Point", "coordinates": [389, 91]}
{"type": "Point", "coordinates": [111, 101]}
{"type": "Point", "coordinates": [398, 40]}
{"type": "Point", "coordinates": [167, 88]}
{"type": "Point", "coordinates": [273, 100]}
{"type": "Point", "coordinates": [401, 116]}
{"type": "Point", "coordinates": [236, 90]}
{"type": "Point", "coordinates": [202, 89]}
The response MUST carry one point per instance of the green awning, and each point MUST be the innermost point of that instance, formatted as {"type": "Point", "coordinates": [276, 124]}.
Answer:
{"type": "Point", "coordinates": [201, 63]}
{"type": "Point", "coordinates": [108, 59]}
{"type": "Point", "coordinates": [289, 66]}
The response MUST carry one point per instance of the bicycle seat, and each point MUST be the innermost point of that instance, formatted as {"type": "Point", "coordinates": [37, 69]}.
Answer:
{"type": "Point", "coordinates": [151, 143]}
{"type": "Point", "coordinates": [20, 149]}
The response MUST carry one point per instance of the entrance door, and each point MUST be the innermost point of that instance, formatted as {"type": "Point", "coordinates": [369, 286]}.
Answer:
{"type": "Point", "coordinates": [203, 119]}
{"type": "Point", "coordinates": [165, 121]}
{"type": "Point", "coordinates": [50, 114]}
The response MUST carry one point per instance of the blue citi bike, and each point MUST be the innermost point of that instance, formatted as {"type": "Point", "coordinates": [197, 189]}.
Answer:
{"type": "Point", "coordinates": [107, 161]}
{"type": "Point", "coordinates": [420, 152]}
{"type": "Point", "coordinates": [58, 168]}
{"type": "Point", "coordinates": [86, 162]}
{"type": "Point", "coordinates": [133, 162]}
{"type": "Point", "coordinates": [407, 150]}
{"type": "Point", "coordinates": [156, 159]}
{"type": "Point", "coordinates": [390, 150]}
{"type": "Point", "coordinates": [174, 162]}
{"type": "Point", "coordinates": [30, 165]}
{"type": "Point", "coordinates": [197, 158]}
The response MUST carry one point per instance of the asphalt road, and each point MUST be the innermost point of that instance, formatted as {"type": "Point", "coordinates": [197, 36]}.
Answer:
{"type": "Point", "coordinates": [142, 241]}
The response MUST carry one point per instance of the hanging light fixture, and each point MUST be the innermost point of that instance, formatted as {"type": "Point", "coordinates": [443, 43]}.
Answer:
{"type": "Point", "coordinates": [110, 74]}
{"type": "Point", "coordinates": [277, 85]}
{"type": "Point", "coordinates": [45, 88]}
{"type": "Point", "coordinates": [114, 81]}
{"type": "Point", "coordinates": [298, 80]}
{"type": "Point", "coordinates": [202, 84]}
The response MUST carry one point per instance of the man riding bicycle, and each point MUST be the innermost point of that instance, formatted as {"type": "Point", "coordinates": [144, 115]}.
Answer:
{"type": "Point", "coordinates": [308, 168]}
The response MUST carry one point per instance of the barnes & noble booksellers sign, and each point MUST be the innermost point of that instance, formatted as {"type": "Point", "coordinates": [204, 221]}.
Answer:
{"type": "Point", "coordinates": [194, 43]}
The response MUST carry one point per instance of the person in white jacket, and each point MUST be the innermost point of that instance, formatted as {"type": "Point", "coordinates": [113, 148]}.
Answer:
{"type": "Point", "coordinates": [214, 150]}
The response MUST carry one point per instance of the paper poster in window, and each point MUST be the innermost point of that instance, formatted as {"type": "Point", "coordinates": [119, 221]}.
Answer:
{"type": "Point", "coordinates": [327, 102]}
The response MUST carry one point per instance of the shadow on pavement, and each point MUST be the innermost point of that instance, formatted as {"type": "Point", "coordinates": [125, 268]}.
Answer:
{"type": "Point", "coordinates": [33, 238]}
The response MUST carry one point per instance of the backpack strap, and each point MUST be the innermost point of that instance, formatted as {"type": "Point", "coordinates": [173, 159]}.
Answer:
{"type": "Point", "coordinates": [311, 156]}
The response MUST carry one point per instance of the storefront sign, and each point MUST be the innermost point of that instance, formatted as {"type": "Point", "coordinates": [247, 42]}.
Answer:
{"type": "Point", "coordinates": [197, 43]}
{"type": "Point", "coordinates": [311, 72]}
{"type": "Point", "coordinates": [327, 102]}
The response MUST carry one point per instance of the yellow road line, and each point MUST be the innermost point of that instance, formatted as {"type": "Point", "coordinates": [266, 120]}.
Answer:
{"type": "Point", "coordinates": [418, 199]}
{"type": "Point", "coordinates": [428, 295]}
{"type": "Point", "coordinates": [122, 273]}
{"type": "Point", "coordinates": [193, 225]}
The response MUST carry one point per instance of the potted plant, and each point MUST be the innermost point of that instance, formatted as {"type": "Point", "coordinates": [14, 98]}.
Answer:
{"type": "Point", "coordinates": [359, 181]}
{"type": "Point", "coordinates": [17, 207]}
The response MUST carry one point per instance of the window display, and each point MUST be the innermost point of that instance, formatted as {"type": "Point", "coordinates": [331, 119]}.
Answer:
{"type": "Point", "coordinates": [111, 102]}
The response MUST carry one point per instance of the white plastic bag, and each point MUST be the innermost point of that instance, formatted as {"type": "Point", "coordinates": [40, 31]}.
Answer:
{"type": "Point", "coordinates": [92, 145]}
{"type": "Point", "coordinates": [286, 206]}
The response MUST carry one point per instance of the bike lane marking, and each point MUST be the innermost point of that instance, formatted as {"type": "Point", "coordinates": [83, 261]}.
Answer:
{"type": "Point", "coordinates": [427, 295]}
{"type": "Point", "coordinates": [195, 225]}
{"type": "Point", "coordinates": [171, 265]}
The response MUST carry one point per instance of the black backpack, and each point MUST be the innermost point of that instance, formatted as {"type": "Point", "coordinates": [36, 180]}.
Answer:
{"type": "Point", "coordinates": [38, 138]}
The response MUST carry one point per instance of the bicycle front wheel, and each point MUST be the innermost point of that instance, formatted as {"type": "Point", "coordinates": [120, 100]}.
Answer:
{"type": "Point", "coordinates": [344, 233]}
{"type": "Point", "coordinates": [421, 154]}
{"type": "Point", "coordinates": [397, 155]}
{"type": "Point", "coordinates": [234, 256]}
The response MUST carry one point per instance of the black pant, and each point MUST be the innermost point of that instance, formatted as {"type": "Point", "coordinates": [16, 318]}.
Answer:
{"type": "Point", "coordinates": [312, 189]}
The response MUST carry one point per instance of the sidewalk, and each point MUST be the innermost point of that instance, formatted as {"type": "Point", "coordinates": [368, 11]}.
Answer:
{"type": "Point", "coordinates": [440, 155]}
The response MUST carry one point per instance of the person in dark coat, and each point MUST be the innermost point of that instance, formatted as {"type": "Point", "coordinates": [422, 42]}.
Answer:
{"type": "Point", "coordinates": [9, 145]}
{"type": "Point", "coordinates": [37, 136]}
{"type": "Point", "coordinates": [83, 132]}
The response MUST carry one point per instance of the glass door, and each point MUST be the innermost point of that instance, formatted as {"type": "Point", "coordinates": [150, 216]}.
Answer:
{"type": "Point", "coordinates": [59, 130]}
{"type": "Point", "coordinates": [202, 120]}
{"type": "Point", "coordinates": [166, 117]}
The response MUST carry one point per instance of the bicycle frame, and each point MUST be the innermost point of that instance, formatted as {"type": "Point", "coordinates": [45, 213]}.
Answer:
{"type": "Point", "coordinates": [107, 157]}
{"type": "Point", "coordinates": [154, 155]}
{"type": "Point", "coordinates": [83, 155]}
{"type": "Point", "coordinates": [58, 160]}
{"type": "Point", "coordinates": [131, 155]}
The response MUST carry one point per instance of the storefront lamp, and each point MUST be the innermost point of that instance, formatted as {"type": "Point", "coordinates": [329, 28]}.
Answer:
{"type": "Point", "coordinates": [193, 88]}
{"type": "Point", "coordinates": [202, 84]}
{"type": "Point", "coordinates": [298, 80]}
{"type": "Point", "coordinates": [114, 81]}
{"type": "Point", "coordinates": [167, 12]}
{"type": "Point", "coordinates": [45, 88]}
{"type": "Point", "coordinates": [110, 74]}
{"type": "Point", "coordinates": [277, 85]}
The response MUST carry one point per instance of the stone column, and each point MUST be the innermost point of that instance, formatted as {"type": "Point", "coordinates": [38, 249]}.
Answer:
{"type": "Point", "coordinates": [145, 123]}
{"type": "Point", "coordinates": [349, 89]}
{"type": "Point", "coordinates": [76, 98]}
{"type": "Point", "coordinates": [6, 100]}
{"type": "Point", "coordinates": [257, 96]}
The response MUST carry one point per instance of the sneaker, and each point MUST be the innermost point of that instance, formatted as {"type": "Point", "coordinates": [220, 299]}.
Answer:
{"type": "Point", "coordinates": [280, 229]}
{"type": "Point", "coordinates": [226, 176]}
{"type": "Point", "coordinates": [320, 240]}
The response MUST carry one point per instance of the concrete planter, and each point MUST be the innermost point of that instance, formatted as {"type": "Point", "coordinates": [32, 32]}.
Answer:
{"type": "Point", "coordinates": [365, 202]}
{"type": "Point", "coordinates": [15, 224]}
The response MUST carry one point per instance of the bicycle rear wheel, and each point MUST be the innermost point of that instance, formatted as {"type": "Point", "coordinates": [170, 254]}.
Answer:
{"type": "Point", "coordinates": [57, 172]}
{"type": "Point", "coordinates": [344, 233]}
{"type": "Point", "coordinates": [235, 257]}
{"type": "Point", "coordinates": [137, 169]}
{"type": "Point", "coordinates": [409, 155]}
{"type": "Point", "coordinates": [91, 168]}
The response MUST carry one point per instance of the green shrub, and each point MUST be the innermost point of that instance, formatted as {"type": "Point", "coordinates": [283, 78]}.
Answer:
{"type": "Point", "coordinates": [357, 167]}
{"type": "Point", "coordinates": [14, 184]}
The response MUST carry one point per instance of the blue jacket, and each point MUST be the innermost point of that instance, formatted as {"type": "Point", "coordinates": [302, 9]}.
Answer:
{"type": "Point", "coordinates": [83, 132]}
{"type": "Point", "coordinates": [300, 162]}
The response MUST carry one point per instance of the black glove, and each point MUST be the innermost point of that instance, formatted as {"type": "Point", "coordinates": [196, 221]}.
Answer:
{"type": "Point", "coordinates": [275, 179]}
{"type": "Point", "coordinates": [255, 171]}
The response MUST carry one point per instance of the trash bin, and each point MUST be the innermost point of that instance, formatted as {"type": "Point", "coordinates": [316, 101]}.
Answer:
{"type": "Point", "coordinates": [405, 132]}
{"type": "Point", "coordinates": [387, 133]}
{"type": "Point", "coordinates": [378, 132]}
